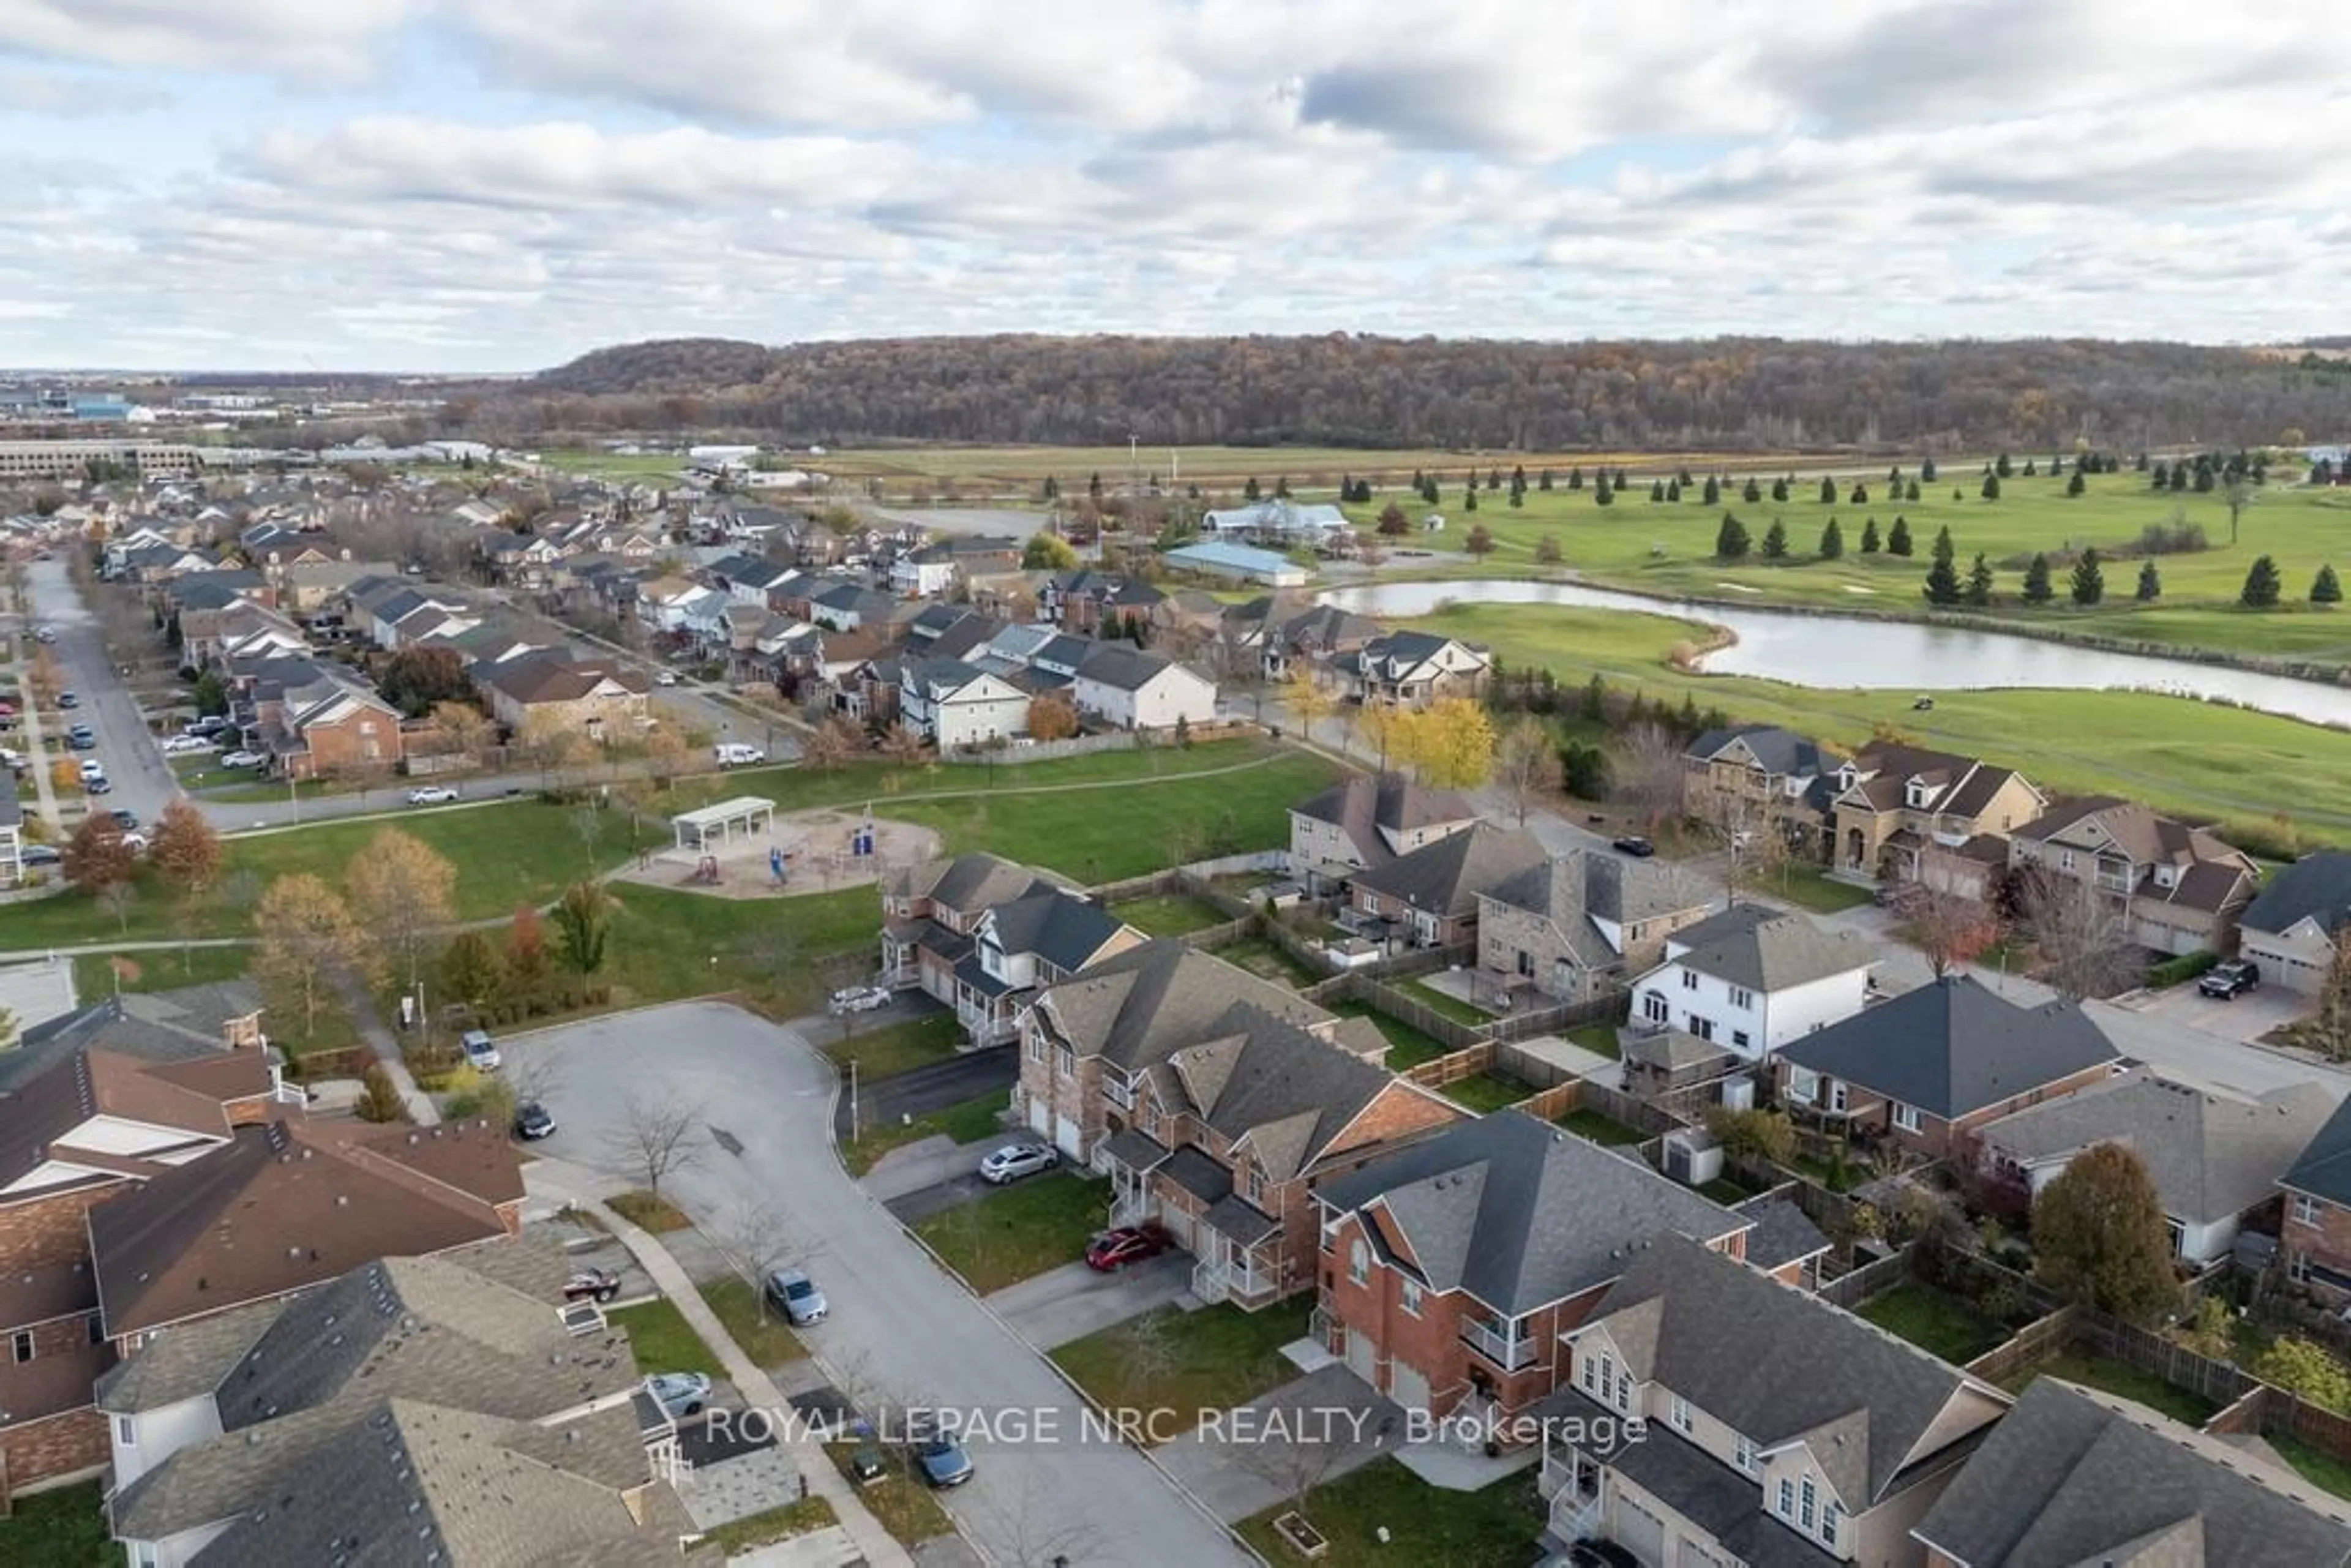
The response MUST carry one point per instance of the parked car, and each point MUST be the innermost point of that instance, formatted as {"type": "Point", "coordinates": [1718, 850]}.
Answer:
{"type": "Point", "coordinates": [941, 1458]}
{"type": "Point", "coordinates": [665, 678]}
{"type": "Point", "coordinates": [860, 998]}
{"type": "Point", "coordinates": [481, 1050]}
{"type": "Point", "coordinates": [67, 699]}
{"type": "Point", "coordinates": [41, 854]}
{"type": "Point", "coordinates": [735, 754]}
{"type": "Point", "coordinates": [1013, 1161]}
{"type": "Point", "coordinates": [204, 727]}
{"type": "Point", "coordinates": [45, 634]}
{"type": "Point", "coordinates": [1115, 1250]}
{"type": "Point", "coordinates": [2230, 979]}
{"type": "Point", "coordinates": [1634, 844]}
{"type": "Point", "coordinates": [102, 785]}
{"type": "Point", "coordinates": [182, 744]}
{"type": "Point", "coordinates": [867, 1465]}
{"type": "Point", "coordinates": [1592, 1554]}
{"type": "Point", "coordinates": [7, 710]}
{"type": "Point", "coordinates": [431, 795]}
{"type": "Point", "coordinates": [91, 768]}
{"type": "Point", "coordinates": [242, 758]}
{"type": "Point", "coordinates": [591, 1285]}
{"type": "Point", "coordinates": [797, 1297]}
{"type": "Point", "coordinates": [81, 738]}
{"type": "Point", "coordinates": [531, 1121]}
{"type": "Point", "coordinates": [125, 818]}
{"type": "Point", "coordinates": [680, 1394]}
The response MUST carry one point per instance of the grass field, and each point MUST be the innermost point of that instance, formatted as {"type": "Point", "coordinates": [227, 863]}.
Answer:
{"type": "Point", "coordinates": [898, 1048]}
{"type": "Point", "coordinates": [964, 1122]}
{"type": "Point", "coordinates": [1385, 1513]}
{"type": "Point", "coordinates": [61, 1528]}
{"type": "Point", "coordinates": [1935, 1321]}
{"type": "Point", "coordinates": [2197, 758]}
{"type": "Point", "coordinates": [1020, 1230]}
{"type": "Point", "coordinates": [664, 1340]}
{"type": "Point", "coordinates": [1187, 1364]}
{"type": "Point", "coordinates": [1170, 914]}
{"type": "Point", "coordinates": [2187, 1408]}
{"type": "Point", "coordinates": [761, 1335]}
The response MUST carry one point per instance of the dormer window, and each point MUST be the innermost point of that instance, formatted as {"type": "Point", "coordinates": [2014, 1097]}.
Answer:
{"type": "Point", "coordinates": [1914, 794]}
{"type": "Point", "coordinates": [1845, 778]}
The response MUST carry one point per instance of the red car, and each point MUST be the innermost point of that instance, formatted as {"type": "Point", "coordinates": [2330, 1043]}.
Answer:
{"type": "Point", "coordinates": [1115, 1250]}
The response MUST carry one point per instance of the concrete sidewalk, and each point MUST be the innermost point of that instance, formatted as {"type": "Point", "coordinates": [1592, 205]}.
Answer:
{"type": "Point", "coordinates": [564, 1182]}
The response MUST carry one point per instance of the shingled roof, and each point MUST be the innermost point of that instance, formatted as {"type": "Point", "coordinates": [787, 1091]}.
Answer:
{"type": "Point", "coordinates": [1768, 949]}
{"type": "Point", "coordinates": [2315, 887]}
{"type": "Point", "coordinates": [1446, 876]}
{"type": "Point", "coordinates": [1951, 1048]}
{"type": "Point", "coordinates": [1372, 811]}
{"type": "Point", "coordinates": [1136, 1008]}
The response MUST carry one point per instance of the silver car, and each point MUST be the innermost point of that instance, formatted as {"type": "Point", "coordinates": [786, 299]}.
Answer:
{"type": "Point", "coordinates": [1014, 1160]}
{"type": "Point", "coordinates": [796, 1296]}
{"type": "Point", "coordinates": [681, 1394]}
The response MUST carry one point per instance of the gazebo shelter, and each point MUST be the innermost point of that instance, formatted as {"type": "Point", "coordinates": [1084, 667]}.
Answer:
{"type": "Point", "coordinates": [746, 815]}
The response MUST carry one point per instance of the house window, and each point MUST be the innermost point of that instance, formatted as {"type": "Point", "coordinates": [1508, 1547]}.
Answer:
{"type": "Point", "coordinates": [1035, 1047]}
{"type": "Point", "coordinates": [1701, 1026]}
{"type": "Point", "coordinates": [1906, 1117]}
{"type": "Point", "coordinates": [1587, 1374]}
{"type": "Point", "coordinates": [1069, 1060]}
{"type": "Point", "coordinates": [1359, 1261]}
{"type": "Point", "coordinates": [1654, 1007]}
{"type": "Point", "coordinates": [21, 1344]}
{"type": "Point", "coordinates": [1803, 1085]}
{"type": "Point", "coordinates": [1257, 1184]}
{"type": "Point", "coordinates": [1808, 1509]}
{"type": "Point", "coordinates": [1410, 1298]}
{"type": "Point", "coordinates": [1680, 1414]}
{"type": "Point", "coordinates": [2305, 1209]}
{"type": "Point", "coordinates": [1742, 1453]}
{"type": "Point", "coordinates": [2065, 861]}
{"type": "Point", "coordinates": [1787, 1509]}
{"type": "Point", "coordinates": [126, 1432]}
{"type": "Point", "coordinates": [1837, 1096]}
{"type": "Point", "coordinates": [1526, 964]}
{"type": "Point", "coordinates": [1738, 1038]}
{"type": "Point", "coordinates": [1831, 1518]}
{"type": "Point", "coordinates": [1689, 980]}
{"type": "Point", "coordinates": [1743, 1000]}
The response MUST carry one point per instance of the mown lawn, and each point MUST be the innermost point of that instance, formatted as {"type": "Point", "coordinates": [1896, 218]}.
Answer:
{"type": "Point", "coordinates": [1599, 1129]}
{"type": "Point", "coordinates": [899, 1048]}
{"type": "Point", "coordinates": [966, 1122]}
{"type": "Point", "coordinates": [764, 1336]}
{"type": "Point", "coordinates": [1173, 915]}
{"type": "Point", "coordinates": [2322, 1470]}
{"type": "Point", "coordinates": [900, 1503]}
{"type": "Point", "coordinates": [664, 1341]}
{"type": "Point", "coordinates": [1182, 1364]}
{"type": "Point", "coordinates": [805, 1517]}
{"type": "Point", "coordinates": [1810, 887]}
{"type": "Point", "coordinates": [1438, 1001]}
{"type": "Point", "coordinates": [1385, 1513]}
{"type": "Point", "coordinates": [2181, 1405]}
{"type": "Point", "coordinates": [61, 1528]}
{"type": "Point", "coordinates": [102, 973]}
{"type": "Point", "coordinates": [1269, 962]}
{"type": "Point", "coordinates": [1935, 1321]}
{"type": "Point", "coordinates": [1600, 1039]}
{"type": "Point", "coordinates": [1486, 1091]}
{"type": "Point", "coordinates": [1407, 1046]}
{"type": "Point", "coordinates": [1019, 1231]}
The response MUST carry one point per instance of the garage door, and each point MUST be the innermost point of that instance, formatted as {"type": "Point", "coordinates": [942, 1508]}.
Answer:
{"type": "Point", "coordinates": [1040, 1116]}
{"type": "Point", "coordinates": [1364, 1357]}
{"type": "Point", "coordinates": [1641, 1532]}
{"type": "Point", "coordinates": [1408, 1385]}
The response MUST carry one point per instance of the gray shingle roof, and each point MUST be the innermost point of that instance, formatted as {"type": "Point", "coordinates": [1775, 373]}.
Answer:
{"type": "Point", "coordinates": [2213, 1153]}
{"type": "Point", "coordinates": [1062, 928]}
{"type": "Point", "coordinates": [2318, 886]}
{"type": "Point", "coordinates": [1769, 950]}
{"type": "Point", "coordinates": [1369, 808]}
{"type": "Point", "coordinates": [1138, 1007]}
{"type": "Point", "coordinates": [2071, 1476]}
{"type": "Point", "coordinates": [2324, 1168]}
{"type": "Point", "coordinates": [1783, 1232]}
{"type": "Point", "coordinates": [1952, 1046]}
{"type": "Point", "coordinates": [1779, 1365]}
{"type": "Point", "coordinates": [1581, 885]}
{"type": "Point", "coordinates": [1783, 752]}
{"type": "Point", "coordinates": [1446, 877]}
{"type": "Point", "coordinates": [1520, 1214]}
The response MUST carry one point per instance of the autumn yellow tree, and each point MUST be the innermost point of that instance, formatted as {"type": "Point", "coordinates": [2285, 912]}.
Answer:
{"type": "Point", "coordinates": [308, 939]}
{"type": "Point", "coordinates": [1448, 745]}
{"type": "Point", "coordinates": [409, 892]}
{"type": "Point", "coordinates": [1052, 717]}
{"type": "Point", "coordinates": [1310, 702]}
{"type": "Point", "coordinates": [465, 727]}
{"type": "Point", "coordinates": [186, 849]}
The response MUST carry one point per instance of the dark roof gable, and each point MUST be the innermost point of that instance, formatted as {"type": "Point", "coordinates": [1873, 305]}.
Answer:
{"type": "Point", "coordinates": [1951, 1048]}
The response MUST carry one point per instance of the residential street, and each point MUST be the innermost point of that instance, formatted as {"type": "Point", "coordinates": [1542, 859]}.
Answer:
{"type": "Point", "coordinates": [901, 1330]}
{"type": "Point", "coordinates": [143, 783]}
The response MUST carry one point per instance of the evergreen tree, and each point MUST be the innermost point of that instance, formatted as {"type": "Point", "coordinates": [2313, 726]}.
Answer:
{"type": "Point", "coordinates": [1831, 541]}
{"type": "Point", "coordinates": [1053, 490]}
{"type": "Point", "coordinates": [2324, 588]}
{"type": "Point", "coordinates": [1860, 495]}
{"type": "Point", "coordinates": [1893, 475]}
{"type": "Point", "coordinates": [1942, 575]}
{"type": "Point", "coordinates": [1713, 494]}
{"type": "Point", "coordinates": [2089, 579]}
{"type": "Point", "coordinates": [1576, 478]}
{"type": "Point", "coordinates": [1419, 479]}
{"type": "Point", "coordinates": [2036, 582]}
{"type": "Point", "coordinates": [1869, 537]}
{"type": "Point", "coordinates": [1684, 476]}
{"type": "Point", "coordinates": [2261, 590]}
{"type": "Point", "coordinates": [1595, 700]}
{"type": "Point", "coordinates": [1493, 478]}
{"type": "Point", "coordinates": [1674, 491]}
{"type": "Point", "coordinates": [1248, 491]}
{"type": "Point", "coordinates": [1282, 488]}
{"type": "Point", "coordinates": [1656, 489]}
{"type": "Point", "coordinates": [1622, 479]}
{"type": "Point", "coordinates": [2178, 477]}
{"type": "Point", "coordinates": [1469, 497]}
{"type": "Point", "coordinates": [1910, 491]}
{"type": "Point", "coordinates": [1544, 481]}
{"type": "Point", "coordinates": [2142, 462]}
{"type": "Point", "coordinates": [2150, 583]}
{"type": "Point", "coordinates": [2000, 467]}
{"type": "Point", "coordinates": [2074, 485]}
{"type": "Point", "coordinates": [1779, 489]}
{"type": "Point", "coordinates": [1897, 540]}
{"type": "Point", "coordinates": [1991, 487]}
{"type": "Point", "coordinates": [1518, 477]}
{"type": "Point", "coordinates": [1828, 491]}
{"type": "Point", "coordinates": [1518, 497]}
{"type": "Point", "coordinates": [2028, 468]}
{"type": "Point", "coordinates": [1980, 583]}
{"type": "Point", "coordinates": [1753, 494]}
{"type": "Point", "coordinates": [1602, 492]}
{"type": "Point", "coordinates": [1927, 471]}
{"type": "Point", "coordinates": [1775, 541]}
{"type": "Point", "coordinates": [1731, 539]}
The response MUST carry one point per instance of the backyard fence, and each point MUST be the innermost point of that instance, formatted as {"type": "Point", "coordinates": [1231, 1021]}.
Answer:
{"type": "Point", "coordinates": [1085, 744]}
{"type": "Point", "coordinates": [1855, 1286]}
{"type": "Point", "coordinates": [2043, 1338]}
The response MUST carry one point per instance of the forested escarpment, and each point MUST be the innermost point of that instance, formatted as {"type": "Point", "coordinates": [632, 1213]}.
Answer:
{"type": "Point", "coordinates": [1752, 393]}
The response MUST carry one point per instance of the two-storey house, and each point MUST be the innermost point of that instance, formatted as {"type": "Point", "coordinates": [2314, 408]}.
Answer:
{"type": "Point", "coordinates": [1128, 689]}
{"type": "Point", "coordinates": [1363, 821]}
{"type": "Point", "coordinates": [955, 704]}
{"type": "Point", "coordinates": [2291, 928]}
{"type": "Point", "coordinates": [1450, 1269]}
{"type": "Point", "coordinates": [1894, 805]}
{"type": "Point", "coordinates": [1413, 669]}
{"type": "Point", "coordinates": [1428, 898]}
{"type": "Point", "coordinates": [2315, 1236]}
{"type": "Point", "coordinates": [2182, 888]}
{"type": "Point", "coordinates": [536, 695]}
{"type": "Point", "coordinates": [1759, 777]}
{"type": "Point", "coordinates": [983, 935]}
{"type": "Point", "coordinates": [1575, 927]}
{"type": "Point", "coordinates": [1752, 980]}
{"type": "Point", "coordinates": [1772, 1427]}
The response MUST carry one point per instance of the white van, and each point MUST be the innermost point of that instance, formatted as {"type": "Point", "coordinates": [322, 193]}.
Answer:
{"type": "Point", "coordinates": [735, 754]}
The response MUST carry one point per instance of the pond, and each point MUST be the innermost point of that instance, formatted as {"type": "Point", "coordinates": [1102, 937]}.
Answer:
{"type": "Point", "coordinates": [1829, 653]}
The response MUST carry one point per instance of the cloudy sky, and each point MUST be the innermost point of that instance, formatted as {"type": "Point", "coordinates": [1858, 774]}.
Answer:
{"type": "Point", "coordinates": [499, 184]}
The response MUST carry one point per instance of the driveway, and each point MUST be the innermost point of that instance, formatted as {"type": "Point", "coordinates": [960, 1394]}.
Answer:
{"type": "Point", "coordinates": [134, 763]}
{"type": "Point", "coordinates": [932, 1088]}
{"type": "Point", "coordinates": [2245, 1017]}
{"type": "Point", "coordinates": [1301, 1435]}
{"type": "Point", "coordinates": [1072, 1300]}
{"type": "Point", "coordinates": [901, 1331]}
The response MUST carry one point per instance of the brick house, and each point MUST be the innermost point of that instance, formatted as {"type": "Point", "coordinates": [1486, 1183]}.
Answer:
{"type": "Point", "coordinates": [1363, 821]}
{"type": "Point", "coordinates": [97, 1103]}
{"type": "Point", "coordinates": [1928, 1069]}
{"type": "Point", "coordinates": [1775, 1428]}
{"type": "Point", "coordinates": [1892, 806]}
{"type": "Point", "coordinates": [1759, 774]}
{"type": "Point", "coordinates": [1428, 898]}
{"type": "Point", "coordinates": [2182, 888]}
{"type": "Point", "coordinates": [2075, 1476]}
{"type": "Point", "coordinates": [1577, 925]}
{"type": "Point", "coordinates": [1450, 1269]}
{"type": "Point", "coordinates": [982, 935]}
{"type": "Point", "coordinates": [351, 731]}
{"type": "Point", "coordinates": [542, 695]}
{"type": "Point", "coordinates": [2316, 1234]}
{"type": "Point", "coordinates": [1225, 1124]}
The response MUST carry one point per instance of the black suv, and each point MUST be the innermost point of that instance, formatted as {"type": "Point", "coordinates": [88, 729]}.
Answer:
{"type": "Point", "coordinates": [2230, 979]}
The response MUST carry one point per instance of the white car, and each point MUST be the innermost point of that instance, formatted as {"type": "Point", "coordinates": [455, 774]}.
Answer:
{"type": "Point", "coordinates": [91, 768]}
{"type": "Point", "coordinates": [1013, 1161]}
{"type": "Point", "coordinates": [860, 998]}
{"type": "Point", "coordinates": [135, 843]}
{"type": "Point", "coordinates": [243, 759]}
{"type": "Point", "coordinates": [432, 795]}
{"type": "Point", "coordinates": [666, 678]}
{"type": "Point", "coordinates": [44, 634]}
{"type": "Point", "coordinates": [176, 744]}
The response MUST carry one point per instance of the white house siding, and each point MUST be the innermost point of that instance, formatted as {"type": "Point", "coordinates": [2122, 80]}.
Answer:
{"type": "Point", "coordinates": [2201, 1243]}
{"type": "Point", "coordinates": [159, 1434]}
{"type": "Point", "coordinates": [1174, 692]}
{"type": "Point", "coordinates": [1769, 1020]}
{"type": "Point", "coordinates": [975, 721]}
{"type": "Point", "coordinates": [2295, 959]}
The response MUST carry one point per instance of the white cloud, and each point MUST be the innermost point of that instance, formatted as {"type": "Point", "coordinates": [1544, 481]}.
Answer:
{"type": "Point", "coordinates": [327, 42]}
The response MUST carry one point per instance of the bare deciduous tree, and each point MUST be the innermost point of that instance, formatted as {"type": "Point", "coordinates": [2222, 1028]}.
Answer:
{"type": "Point", "coordinates": [2081, 936]}
{"type": "Point", "coordinates": [657, 1136]}
{"type": "Point", "coordinates": [1526, 765]}
{"type": "Point", "coordinates": [1647, 772]}
{"type": "Point", "coordinates": [1949, 928]}
{"type": "Point", "coordinates": [757, 1240]}
{"type": "Point", "coordinates": [1038, 1525]}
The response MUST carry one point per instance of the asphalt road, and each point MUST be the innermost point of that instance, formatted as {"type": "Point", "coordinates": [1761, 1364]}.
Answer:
{"type": "Point", "coordinates": [901, 1331]}
{"type": "Point", "coordinates": [143, 783]}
